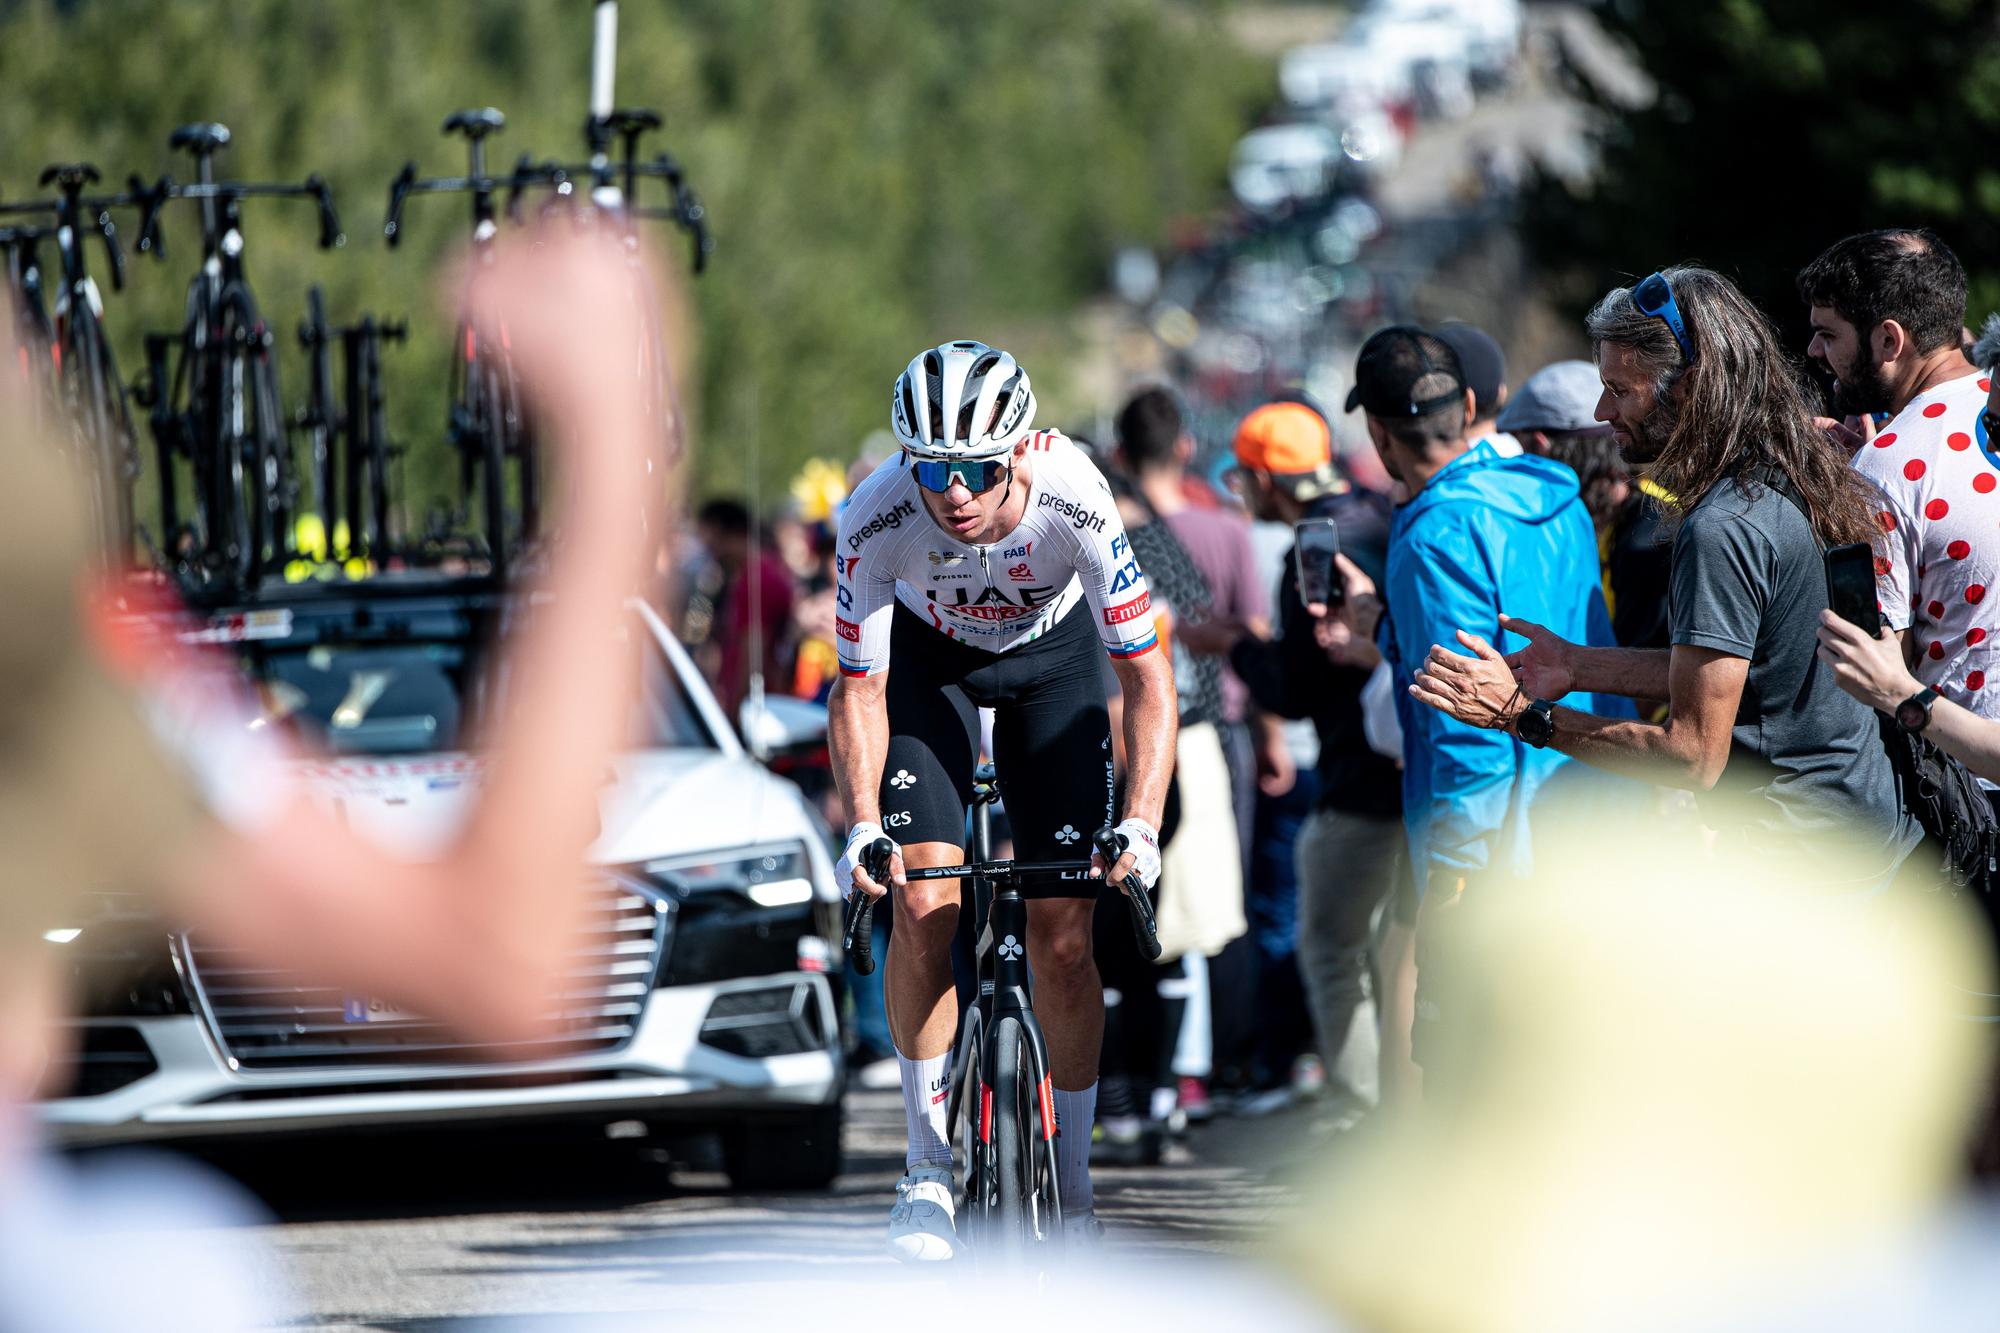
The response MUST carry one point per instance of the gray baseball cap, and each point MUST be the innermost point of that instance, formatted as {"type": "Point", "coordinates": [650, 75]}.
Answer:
{"type": "Point", "coordinates": [1561, 396]}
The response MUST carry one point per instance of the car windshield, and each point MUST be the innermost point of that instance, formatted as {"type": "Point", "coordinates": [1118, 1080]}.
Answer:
{"type": "Point", "coordinates": [357, 696]}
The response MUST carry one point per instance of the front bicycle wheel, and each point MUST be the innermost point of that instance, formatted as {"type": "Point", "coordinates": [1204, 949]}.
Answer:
{"type": "Point", "coordinates": [1029, 1209]}
{"type": "Point", "coordinates": [963, 1122]}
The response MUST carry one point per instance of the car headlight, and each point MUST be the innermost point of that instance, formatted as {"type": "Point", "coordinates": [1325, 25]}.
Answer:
{"type": "Point", "coordinates": [768, 876]}
{"type": "Point", "coordinates": [744, 912]}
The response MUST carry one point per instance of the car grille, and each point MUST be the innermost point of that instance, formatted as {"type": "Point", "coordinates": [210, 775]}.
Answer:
{"type": "Point", "coordinates": [271, 1018]}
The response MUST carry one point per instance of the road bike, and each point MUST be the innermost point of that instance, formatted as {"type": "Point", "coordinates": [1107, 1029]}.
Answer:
{"type": "Point", "coordinates": [1000, 1116]}
{"type": "Point", "coordinates": [220, 411]}
{"type": "Point", "coordinates": [488, 423]}
{"type": "Point", "coordinates": [83, 379]}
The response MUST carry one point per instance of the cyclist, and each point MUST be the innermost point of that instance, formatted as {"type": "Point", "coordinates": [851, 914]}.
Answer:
{"type": "Point", "coordinates": [988, 561]}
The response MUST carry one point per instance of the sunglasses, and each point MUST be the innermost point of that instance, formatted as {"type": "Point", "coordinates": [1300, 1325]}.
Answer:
{"type": "Point", "coordinates": [977, 475]}
{"type": "Point", "coordinates": [1654, 298]}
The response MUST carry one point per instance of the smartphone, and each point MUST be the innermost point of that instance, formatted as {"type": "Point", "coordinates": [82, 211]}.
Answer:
{"type": "Point", "coordinates": [1318, 581]}
{"type": "Point", "coordinates": [1850, 586]}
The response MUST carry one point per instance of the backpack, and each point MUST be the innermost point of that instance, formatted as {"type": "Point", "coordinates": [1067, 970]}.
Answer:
{"type": "Point", "coordinates": [1941, 794]}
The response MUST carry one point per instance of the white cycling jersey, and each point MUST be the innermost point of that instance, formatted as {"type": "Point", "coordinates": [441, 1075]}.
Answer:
{"type": "Point", "coordinates": [1070, 547]}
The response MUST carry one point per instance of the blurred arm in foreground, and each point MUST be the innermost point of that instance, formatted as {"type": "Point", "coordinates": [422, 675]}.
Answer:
{"type": "Point", "coordinates": [92, 800]}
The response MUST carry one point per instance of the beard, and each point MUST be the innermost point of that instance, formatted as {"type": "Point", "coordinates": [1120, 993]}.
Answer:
{"type": "Point", "coordinates": [1863, 389]}
{"type": "Point", "coordinates": [1646, 438]}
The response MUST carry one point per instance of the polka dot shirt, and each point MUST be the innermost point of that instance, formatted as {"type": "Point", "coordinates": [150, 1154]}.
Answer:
{"type": "Point", "coordinates": [1936, 473]}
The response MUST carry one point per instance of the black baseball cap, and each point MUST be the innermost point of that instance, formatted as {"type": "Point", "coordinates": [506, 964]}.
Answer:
{"type": "Point", "coordinates": [1393, 362]}
{"type": "Point", "coordinates": [1480, 358]}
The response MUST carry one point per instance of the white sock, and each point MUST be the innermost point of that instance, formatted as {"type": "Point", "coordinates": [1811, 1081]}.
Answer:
{"type": "Point", "coordinates": [1075, 1113]}
{"type": "Point", "coordinates": [926, 1090]}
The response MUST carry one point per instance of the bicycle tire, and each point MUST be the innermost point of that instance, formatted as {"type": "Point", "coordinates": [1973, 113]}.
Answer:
{"type": "Point", "coordinates": [97, 420]}
{"type": "Point", "coordinates": [1027, 1211]}
{"type": "Point", "coordinates": [962, 1121]}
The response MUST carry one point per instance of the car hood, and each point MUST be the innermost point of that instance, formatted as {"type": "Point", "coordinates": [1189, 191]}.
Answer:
{"type": "Point", "coordinates": [654, 803]}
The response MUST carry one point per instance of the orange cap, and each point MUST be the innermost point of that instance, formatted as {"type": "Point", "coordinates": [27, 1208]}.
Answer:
{"type": "Point", "coordinates": [1293, 443]}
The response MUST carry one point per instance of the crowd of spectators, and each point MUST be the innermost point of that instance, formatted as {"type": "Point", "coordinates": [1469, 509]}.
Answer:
{"type": "Point", "coordinates": [1600, 594]}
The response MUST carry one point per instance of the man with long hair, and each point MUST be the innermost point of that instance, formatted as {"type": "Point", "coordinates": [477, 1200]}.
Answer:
{"type": "Point", "coordinates": [1698, 390]}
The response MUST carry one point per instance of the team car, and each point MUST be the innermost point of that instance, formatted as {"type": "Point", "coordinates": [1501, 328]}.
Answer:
{"type": "Point", "coordinates": [699, 998]}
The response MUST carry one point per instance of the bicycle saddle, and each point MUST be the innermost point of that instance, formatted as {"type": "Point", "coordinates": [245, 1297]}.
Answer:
{"type": "Point", "coordinates": [474, 124]}
{"type": "Point", "coordinates": [69, 175]}
{"type": "Point", "coordinates": [632, 120]}
{"type": "Point", "coordinates": [200, 138]}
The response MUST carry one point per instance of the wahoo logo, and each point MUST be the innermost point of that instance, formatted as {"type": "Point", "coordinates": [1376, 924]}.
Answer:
{"type": "Point", "coordinates": [1021, 573]}
{"type": "Point", "coordinates": [1127, 577]}
{"type": "Point", "coordinates": [886, 521]}
{"type": "Point", "coordinates": [1132, 610]}
{"type": "Point", "coordinates": [1010, 948]}
{"type": "Point", "coordinates": [850, 631]}
{"type": "Point", "coordinates": [1079, 517]}
{"type": "Point", "coordinates": [1017, 552]}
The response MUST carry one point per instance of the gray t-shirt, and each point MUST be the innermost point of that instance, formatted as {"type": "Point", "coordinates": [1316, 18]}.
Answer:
{"type": "Point", "coordinates": [1749, 579]}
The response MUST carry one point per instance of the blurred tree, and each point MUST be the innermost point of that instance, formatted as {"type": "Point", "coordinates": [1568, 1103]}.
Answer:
{"type": "Point", "coordinates": [1780, 126]}
{"type": "Point", "coordinates": [880, 174]}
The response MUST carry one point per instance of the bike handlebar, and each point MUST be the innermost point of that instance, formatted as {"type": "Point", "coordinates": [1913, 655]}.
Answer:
{"type": "Point", "coordinates": [857, 938]}
{"type": "Point", "coordinates": [314, 187]}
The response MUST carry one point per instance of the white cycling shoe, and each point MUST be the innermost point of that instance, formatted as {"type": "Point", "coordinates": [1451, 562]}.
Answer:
{"type": "Point", "coordinates": [922, 1226]}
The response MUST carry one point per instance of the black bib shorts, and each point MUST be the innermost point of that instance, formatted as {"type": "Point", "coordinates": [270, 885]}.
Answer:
{"type": "Point", "coordinates": [1051, 739]}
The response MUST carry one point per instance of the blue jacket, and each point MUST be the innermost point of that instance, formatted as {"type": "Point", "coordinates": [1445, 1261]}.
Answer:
{"type": "Point", "coordinates": [1487, 535]}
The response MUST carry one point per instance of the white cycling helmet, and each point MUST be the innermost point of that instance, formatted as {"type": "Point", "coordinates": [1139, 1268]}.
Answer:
{"type": "Point", "coordinates": [962, 400]}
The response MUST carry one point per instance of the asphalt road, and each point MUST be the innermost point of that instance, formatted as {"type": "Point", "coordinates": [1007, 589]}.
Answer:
{"type": "Point", "coordinates": [428, 1235]}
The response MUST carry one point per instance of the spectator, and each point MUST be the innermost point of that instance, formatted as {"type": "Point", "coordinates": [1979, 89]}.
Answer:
{"type": "Point", "coordinates": [1702, 392]}
{"type": "Point", "coordinates": [1480, 534]}
{"type": "Point", "coordinates": [1154, 448]}
{"type": "Point", "coordinates": [1197, 847]}
{"type": "Point", "coordinates": [756, 606]}
{"type": "Point", "coordinates": [1485, 369]}
{"type": "Point", "coordinates": [1348, 847]}
{"type": "Point", "coordinates": [1887, 308]}
{"type": "Point", "coordinates": [1555, 415]}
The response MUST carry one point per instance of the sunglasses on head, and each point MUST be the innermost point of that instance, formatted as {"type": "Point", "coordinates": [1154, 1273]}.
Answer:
{"type": "Point", "coordinates": [977, 475]}
{"type": "Point", "coordinates": [1654, 298]}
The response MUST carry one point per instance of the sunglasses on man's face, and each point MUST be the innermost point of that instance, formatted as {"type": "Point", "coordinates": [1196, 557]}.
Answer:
{"type": "Point", "coordinates": [977, 475]}
{"type": "Point", "coordinates": [1654, 298]}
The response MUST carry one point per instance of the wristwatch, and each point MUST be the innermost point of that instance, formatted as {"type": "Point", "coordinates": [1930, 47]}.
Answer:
{"type": "Point", "coordinates": [1914, 713]}
{"type": "Point", "coordinates": [1537, 725]}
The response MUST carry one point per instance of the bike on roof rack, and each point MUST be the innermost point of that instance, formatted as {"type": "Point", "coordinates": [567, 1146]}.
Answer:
{"type": "Point", "coordinates": [219, 410]}
{"type": "Point", "coordinates": [66, 339]}
{"type": "Point", "coordinates": [489, 424]}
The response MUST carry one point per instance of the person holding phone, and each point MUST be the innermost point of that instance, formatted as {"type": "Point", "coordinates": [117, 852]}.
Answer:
{"type": "Point", "coordinates": [1347, 850]}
